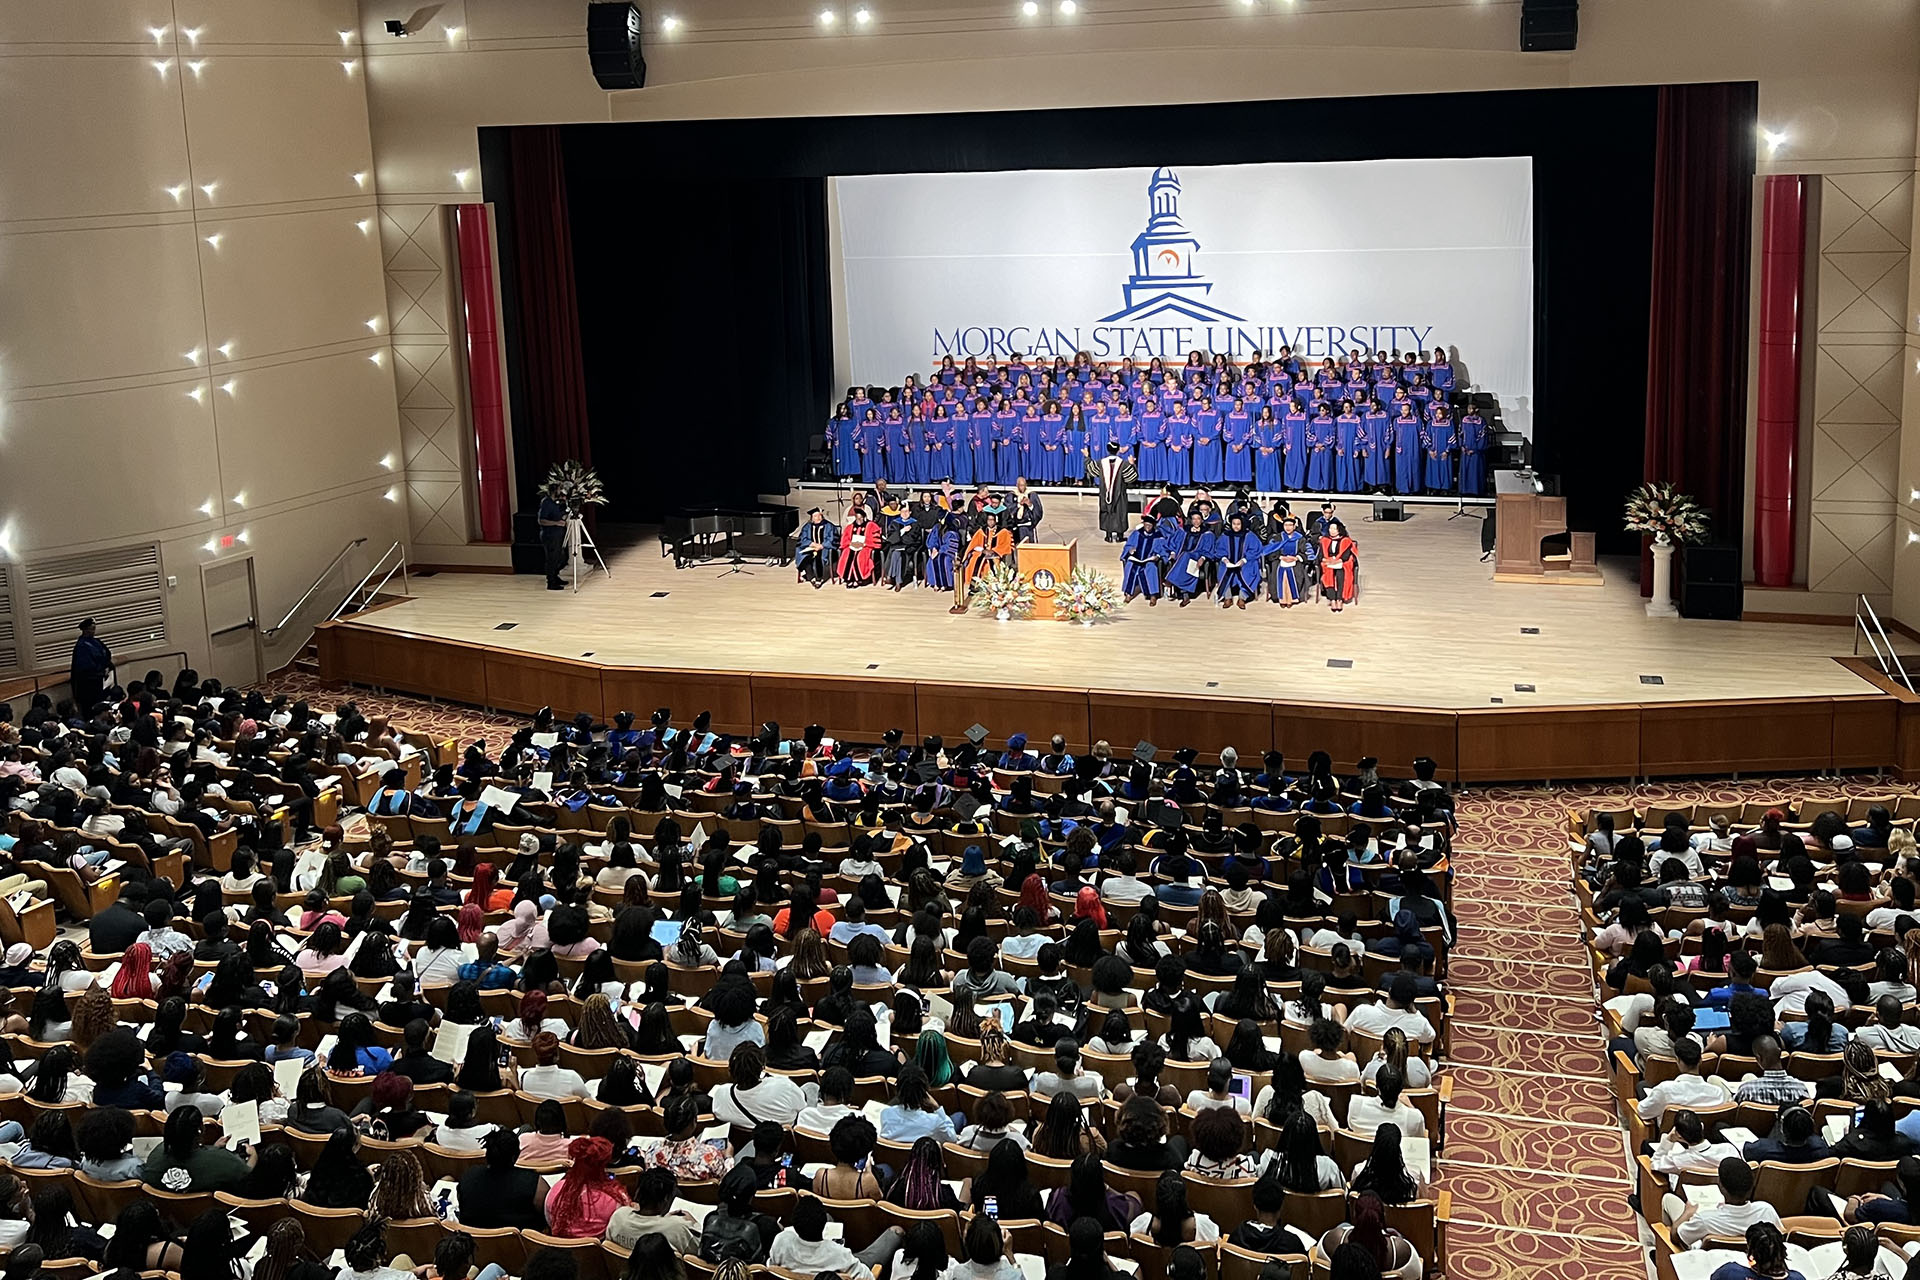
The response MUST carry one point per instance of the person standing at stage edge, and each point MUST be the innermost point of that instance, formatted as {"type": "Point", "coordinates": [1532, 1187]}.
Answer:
{"type": "Point", "coordinates": [553, 537]}
{"type": "Point", "coordinates": [91, 662]}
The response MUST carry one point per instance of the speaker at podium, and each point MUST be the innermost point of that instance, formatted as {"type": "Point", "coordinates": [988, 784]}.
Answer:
{"type": "Point", "coordinates": [1046, 567]}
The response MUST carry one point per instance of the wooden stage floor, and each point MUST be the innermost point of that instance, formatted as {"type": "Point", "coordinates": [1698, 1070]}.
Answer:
{"type": "Point", "coordinates": [1431, 629]}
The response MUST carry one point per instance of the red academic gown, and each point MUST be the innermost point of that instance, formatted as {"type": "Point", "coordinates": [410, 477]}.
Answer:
{"type": "Point", "coordinates": [1339, 568]}
{"type": "Point", "coordinates": [861, 556]}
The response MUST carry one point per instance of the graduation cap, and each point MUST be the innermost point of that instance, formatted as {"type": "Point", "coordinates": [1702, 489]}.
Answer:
{"type": "Point", "coordinates": [976, 733]}
{"type": "Point", "coordinates": [701, 721]}
{"type": "Point", "coordinates": [1167, 817]}
{"type": "Point", "coordinates": [1143, 751]}
{"type": "Point", "coordinates": [1186, 755]}
{"type": "Point", "coordinates": [1369, 762]}
{"type": "Point", "coordinates": [661, 716]}
{"type": "Point", "coordinates": [891, 737]}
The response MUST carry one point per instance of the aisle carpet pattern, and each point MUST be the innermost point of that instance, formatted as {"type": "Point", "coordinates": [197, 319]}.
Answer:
{"type": "Point", "coordinates": [1535, 1157]}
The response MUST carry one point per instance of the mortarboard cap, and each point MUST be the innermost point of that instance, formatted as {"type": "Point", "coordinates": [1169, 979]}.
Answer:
{"type": "Point", "coordinates": [976, 733]}
{"type": "Point", "coordinates": [1143, 751]}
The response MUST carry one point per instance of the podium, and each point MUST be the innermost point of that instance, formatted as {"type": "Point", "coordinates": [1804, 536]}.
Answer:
{"type": "Point", "coordinates": [1046, 566]}
{"type": "Point", "coordinates": [1525, 520]}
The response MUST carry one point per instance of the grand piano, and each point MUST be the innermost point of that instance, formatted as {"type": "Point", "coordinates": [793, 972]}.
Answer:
{"type": "Point", "coordinates": [697, 535]}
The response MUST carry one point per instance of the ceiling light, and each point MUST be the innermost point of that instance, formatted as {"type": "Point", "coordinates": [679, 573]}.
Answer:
{"type": "Point", "coordinates": [669, 24]}
{"type": "Point", "coordinates": [1031, 8]}
{"type": "Point", "coordinates": [387, 462]}
{"type": "Point", "coordinates": [365, 225]}
{"type": "Point", "coordinates": [346, 37]}
{"type": "Point", "coordinates": [195, 67]}
{"type": "Point", "coordinates": [1772, 138]}
{"type": "Point", "coordinates": [827, 17]}
{"type": "Point", "coordinates": [862, 17]}
{"type": "Point", "coordinates": [360, 179]}
{"type": "Point", "coordinates": [461, 176]}
{"type": "Point", "coordinates": [161, 65]}
{"type": "Point", "coordinates": [375, 357]}
{"type": "Point", "coordinates": [239, 499]}
{"type": "Point", "coordinates": [177, 192]}
{"type": "Point", "coordinates": [373, 323]}
{"type": "Point", "coordinates": [192, 34]}
{"type": "Point", "coordinates": [1069, 8]}
{"type": "Point", "coordinates": [348, 65]}
{"type": "Point", "coordinates": [208, 188]}
{"type": "Point", "coordinates": [158, 33]}
{"type": "Point", "coordinates": [206, 508]}
{"type": "Point", "coordinates": [453, 33]}
{"type": "Point", "coordinates": [393, 494]}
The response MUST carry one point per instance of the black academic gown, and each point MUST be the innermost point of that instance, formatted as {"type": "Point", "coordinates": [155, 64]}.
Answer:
{"type": "Point", "coordinates": [1113, 473]}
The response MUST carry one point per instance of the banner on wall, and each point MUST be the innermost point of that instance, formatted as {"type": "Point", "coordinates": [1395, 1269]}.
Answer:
{"type": "Point", "coordinates": [1330, 259]}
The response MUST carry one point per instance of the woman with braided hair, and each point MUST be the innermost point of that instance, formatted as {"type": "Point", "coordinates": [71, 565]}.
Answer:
{"type": "Point", "coordinates": [581, 1202]}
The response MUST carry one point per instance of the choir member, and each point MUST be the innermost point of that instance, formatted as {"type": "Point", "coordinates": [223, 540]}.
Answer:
{"type": "Point", "coordinates": [1289, 553]}
{"type": "Point", "coordinates": [1407, 433]}
{"type": "Point", "coordinates": [1294, 447]}
{"type": "Point", "coordinates": [1473, 457]}
{"type": "Point", "coordinates": [1339, 565]}
{"type": "Point", "coordinates": [1375, 440]}
{"type": "Point", "coordinates": [1440, 372]}
{"type": "Point", "coordinates": [898, 467]}
{"type": "Point", "coordinates": [1322, 439]}
{"type": "Point", "coordinates": [1238, 552]}
{"type": "Point", "coordinates": [1346, 469]}
{"type": "Point", "coordinates": [1178, 457]}
{"type": "Point", "coordinates": [859, 542]}
{"type": "Point", "coordinates": [843, 438]}
{"type": "Point", "coordinates": [872, 445]}
{"type": "Point", "coordinates": [1266, 452]}
{"type": "Point", "coordinates": [1140, 562]}
{"type": "Point", "coordinates": [1204, 457]}
{"type": "Point", "coordinates": [1189, 552]}
{"type": "Point", "coordinates": [818, 542]}
{"type": "Point", "coordinates": [1439, 446]}
{"type": "Point", "coordinates": [939, 446]}
{"type": "Point", "coordinates": [1150, 431]}
{"type": "Point", "coordinates": [1045, 450]}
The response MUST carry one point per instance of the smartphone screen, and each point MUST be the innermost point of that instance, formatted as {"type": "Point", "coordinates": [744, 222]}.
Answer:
{"type": "Point", "coordinates": [990, 1205]}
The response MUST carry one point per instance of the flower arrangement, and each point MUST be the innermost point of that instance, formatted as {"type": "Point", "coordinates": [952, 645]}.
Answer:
{"type": "Point", "coordinates": [1666, 513]}
{"type": "Point", "coordinates": [1085, 596]}
{"type": "Point", "coordinates": [1000, 590]}
{"type": "Point", "coordinates": [576, 485]}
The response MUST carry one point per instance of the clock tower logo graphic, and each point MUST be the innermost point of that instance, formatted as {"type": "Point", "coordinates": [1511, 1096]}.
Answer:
{"type": "Point", "coordinates": [1164, 281]}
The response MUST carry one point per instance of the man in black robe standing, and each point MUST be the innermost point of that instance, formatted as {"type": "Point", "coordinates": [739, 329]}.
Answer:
{"type": "Point", "coordinates": [1113, 473]}
{"type": "Point", "coordinates": [91, 662]}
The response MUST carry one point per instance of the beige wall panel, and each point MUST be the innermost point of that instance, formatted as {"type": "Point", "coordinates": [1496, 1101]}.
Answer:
{"type": "Point", "coordinates": [276, 129]}
{"type": "Point", "coordinates": [293, 281]}
{"type": "Point", "coordinates": [80, 137]}
{"type": "Point", "coordinates": [307, 426]}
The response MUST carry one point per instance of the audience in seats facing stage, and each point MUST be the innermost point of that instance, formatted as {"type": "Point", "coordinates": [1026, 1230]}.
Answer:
{"type": "Point", "coordinates": [701, 982]}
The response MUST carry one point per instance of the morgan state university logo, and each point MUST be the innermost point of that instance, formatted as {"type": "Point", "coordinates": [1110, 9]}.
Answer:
{"type": "Point", "coordinates": [1163, 280]}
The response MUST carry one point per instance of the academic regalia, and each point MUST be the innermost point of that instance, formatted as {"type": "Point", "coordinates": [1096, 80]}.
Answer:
{"type": "Point", "coordinates": [1140, 564]}
{"type": "Point", "coordinates": [1473, 457]}
{"type": "Point", "coordinates": [1241, 569]}
{"type": "Point", "coordinates": [943, 544]}
{"type": "Point", "coordinates": [1322, 438]}
{"type": "Point", "coordinates": [1236, 443]}
{"type": "Point", "coordinates": [818, 546]}
{"type": "Point", "coordinates": [1288, 555]}
{"type": "Point", "coordinates": [1112, 473]}
{"type": "Point", "coordinates": [1346, 464]}
{"type": "Point", "coordinates": [1150, 429]}
{"type": "Point", "coordinates": [1178, 462]}
{"type": "Point", "coordinates": [1293, 450]}
{"type": "Point", "coordinates": [1407, 465]}
{"type": "Point", "coordinates": [1266, 455]}
{"type": "Point", "coordinates": [469, 817]}
{"type": "Point", "coordinates": [901, 543]}
{"type": "Point", "coordinates": [1206, 464]}
{"type": "Point", "coordinates": [1189, 553]}
{"type": "Point", "coordinates": [1439, 452]}
{"type": "Point", "coordinates": [983, 549]}
{"type": "Point", "coordinates": [1339, 569]}
{"type": "Point", "coordinates": [1025, 520]}
{"type": "Point", "coordinates": [873, 450]}
{"type": "Point", "coordinates": [1375, 440]}
{"type": "Point", "coordinates": [1046, 451]}
{"type": "Point", "coordinates": [859, 542]}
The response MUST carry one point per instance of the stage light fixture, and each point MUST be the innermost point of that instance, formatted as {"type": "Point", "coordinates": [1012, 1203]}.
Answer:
{"type": "Point", "coordinates": [827, 17]}
{"type": "Point", "coordinates": [862, 16]}
{"type": "Point", "coordinates": [1774, 138]}
{"type": "Point", "coordinates": [1068, 8]}
{"type": "Point", "coordinates": [397, 29]}
{"type": "Point", "coordinates": [1030, 8]}
{"type": "Point", "coordinates": [669, 24]}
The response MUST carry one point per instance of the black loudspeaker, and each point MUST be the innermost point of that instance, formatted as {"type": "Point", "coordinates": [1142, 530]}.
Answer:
{"type": "Point", "coordinates": [613, 46]}
{"type": "Point", "coordinates": [1710, 581]}
{"type": "Point", "coordinates": [1549, 26]}
{"type": "Point", "coordinates": [1389, 511]}
{"type": "Point", "coordinates": [528, 555]}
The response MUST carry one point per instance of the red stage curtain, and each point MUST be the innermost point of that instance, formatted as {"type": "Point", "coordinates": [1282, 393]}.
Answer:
{"type": "Point", "coordinates": [1697, 325]}
{"type": "Point", "coordinates": [553, 378]}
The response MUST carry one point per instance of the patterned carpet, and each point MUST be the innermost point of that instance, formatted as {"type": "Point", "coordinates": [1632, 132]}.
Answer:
{"type": "Point", "coordinates": [1535, 1156]}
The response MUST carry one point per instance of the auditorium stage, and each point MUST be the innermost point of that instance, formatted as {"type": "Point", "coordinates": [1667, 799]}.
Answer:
{"type": "Point", "coordinates": [1430, 629]}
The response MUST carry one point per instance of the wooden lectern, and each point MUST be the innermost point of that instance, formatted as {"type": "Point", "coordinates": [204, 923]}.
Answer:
{"type": "Point", "coordinates": [1524, 521]}
{"type": "Point", "coordinates": [1047, 566]}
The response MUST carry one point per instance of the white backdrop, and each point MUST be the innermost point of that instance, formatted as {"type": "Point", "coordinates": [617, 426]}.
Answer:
{"type": "Point", "coordinates": [1386, 254]}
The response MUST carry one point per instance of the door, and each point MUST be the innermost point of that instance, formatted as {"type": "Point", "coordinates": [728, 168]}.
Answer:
{"type": "Point", "coordinates": [233, 621]}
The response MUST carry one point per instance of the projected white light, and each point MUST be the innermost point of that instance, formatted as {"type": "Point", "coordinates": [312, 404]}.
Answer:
{"type": "Point", "coordinates": [193, 356]}
{"type": "Point", "coordinates": [360, 179]}
{"type": "Point", "coordinates": [827, 17]}
{"type": "Point", "coordinates": [1069, 8]}
{"type": "Point", "coordinates": [462, 176]}
{"type": "Point", "coordinates": [1774, 138]}
{"type": "Point", "coordinates": [669, 24]}
{"type": "Point", "coordinates": [862, 17]}
{"type": "Point", "coordinates": [1031, 8]}
{"type": "Point", "coordinates": [225, 349]}
{"type": "Point", "coordinates": [216, 238]}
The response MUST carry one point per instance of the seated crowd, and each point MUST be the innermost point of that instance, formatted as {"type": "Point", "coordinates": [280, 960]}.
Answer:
{"type": "Point", "coordinates": [707, 1006]}
{"type": "Point", "coordinates": [1758, 968]}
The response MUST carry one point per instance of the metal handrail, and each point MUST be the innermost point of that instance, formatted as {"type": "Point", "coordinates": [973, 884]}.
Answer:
{"type": "Point", "coordinates": [301, 603]}
{"type": "Point", "coordinates": [354, 600]}
{"type": "Point", "coordinates": [1889, 661]}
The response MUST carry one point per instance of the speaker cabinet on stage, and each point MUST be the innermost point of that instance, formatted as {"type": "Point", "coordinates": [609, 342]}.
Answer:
{"type": "Point", "coordinates": [1710, 581]}
{"type": "Point", "coordinates": [1549, 26]}
{"type": "Point", "coordinates": [1389, 512]}
{"type": "Point", "coordinates": [613, 46]}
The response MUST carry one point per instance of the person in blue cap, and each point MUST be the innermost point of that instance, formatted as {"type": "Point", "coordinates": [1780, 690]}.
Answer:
{"type": "Point", "coordinates": [1016, 757]}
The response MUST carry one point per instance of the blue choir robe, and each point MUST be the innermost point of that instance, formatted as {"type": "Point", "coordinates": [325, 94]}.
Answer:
{"type": "Point", "coordinates": [1293, 450]}
{"type": "Point", "coordinates": [1322, 439]}
{"type": "Point", "coordinates": [1140, 563]}
{"type": "Point", "coordinates": [1473, 457]}
{"type": "Point", "coordinates": [1266, 455]}
{"type": "Point", "coordinates": [1407, 468]}
{"type": "Point", "coordinates": [873, 448]}
{"type": "Point", "coordinates": [1204, 460]}
{"type": "Point", "coordinates": [1191, 373]}
{"type": "Point", "coordinates": [820, 541]}
{"type": "Point", "coordinates": [1177, 465]}
{"type": "Point", "coordinates": [980, 438]}
{"type": "Point", "coordinates": [1288, 555]}
{"type": "Point", "coordinates": [1439, 447]}
{"type": "Point", "coordinates": [1006, 448]}
{"type": "Point", "coordinates": [1236, 447]}
{"type": "Point", "coordinates": [1421, 394]}
{"type": "Point", "coordinates": [1375, 437]}
{"type": "Point", "coordinates": [1124, 432]}
{"type": "Point", "coordinates": [899, 464]}
{"type": "Point", "coordinates": [943, 547]}
{"type": "Point", "coordinates": [1188, 551]}
{"type": "Point", "coordinates": [1047, 450]}
{"type": "Point", "coordinates": [1150, 429]}
{"type": "Point", "coordinates": [1099, 431]}
{"type": "Point", "coordinates": [1441, 376]}
{"type": "Point", "coordinates": [937, 449]}
{"type": "Point", "coordinates": [843, 435]}
{"type": "Point", "coordinates": [1171, 395]}
{"type": "Point", "coordinates": [1242, 569]}
{"type": "Point", "coordinates": [1346, 461]}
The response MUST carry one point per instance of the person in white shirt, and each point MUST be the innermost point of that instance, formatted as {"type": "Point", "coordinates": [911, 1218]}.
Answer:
{"type": "Point", "coordinates": [1692, 1224]}
{"type": "Point", "coordinates": [1396, 1011]}
{"type": "Point", "coordinates": [1717, 838]}
{"type": "Point", "coordinates": [1789, 993]}
{"type": "Point", "coordinates": [547, 1080]}
{"type": "Point", "coordinates": [1219, 1078]}
{"type": "Point", "coordinates": [1687, 1089]}
{"type": "Point", "coordinates": [752, 1096]}
{"type": "Point", "coordinates": [803, 1247]}
{"type": "Point", "coordinates": [1345, 929]}
{"type": "Point", "coordinates": [1122, 886]}
{"type": "Point", "coordinates": [1887, 1033]}
{"type": "Point", "coordinates": [1067, 1075]}
{"type": "Point", "coordinates": [833, 1105]}
{"type": "Point", "coordinates": [1365, 1114]}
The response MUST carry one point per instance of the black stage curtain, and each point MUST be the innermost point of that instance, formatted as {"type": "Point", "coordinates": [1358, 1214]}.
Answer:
{"type": "Point", "coordinates": [1696, 414]}
{"type": "Point", "coordinates": [701, 260]}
